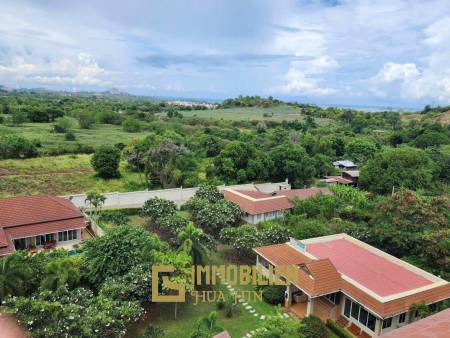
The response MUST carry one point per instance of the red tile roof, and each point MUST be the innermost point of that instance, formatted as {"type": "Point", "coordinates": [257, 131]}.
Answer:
{"type": "Point", "coordinates": [435, 326]}
{"type": "Point", "coordinates": [27, 216]}
{"type": "Point", "coordinates": [338, 179]}
{"type": "Point", "coordinates": [255, 202]}
{"type": "Point", "coordinates": [377, 280]}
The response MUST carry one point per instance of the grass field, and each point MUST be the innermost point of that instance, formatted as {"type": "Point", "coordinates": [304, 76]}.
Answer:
{"type": "Point", "coordinates": [61, 175]}
{"type": "Point", "coordinates": [100, 134]}
{"type": "Point", "coordinates": [250, 113]}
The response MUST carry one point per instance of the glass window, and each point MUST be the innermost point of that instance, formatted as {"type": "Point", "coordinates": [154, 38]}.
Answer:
{"type": "Point", "coordinates": [348, 305]}
{"type": "Point", "coordinates": [355, 310]}
{"type": "Point", "coordinates": [363, 314]}
{"type": "Point", "coordinates": [371, 322]}
{"type": "Point", "coordinates": [387, 323]}
{"type": "Point", "coordinates": [402, 318]}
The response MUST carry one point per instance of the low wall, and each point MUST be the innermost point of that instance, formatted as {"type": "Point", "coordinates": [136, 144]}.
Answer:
{"type": "Point", "coordinates": [135, 199]}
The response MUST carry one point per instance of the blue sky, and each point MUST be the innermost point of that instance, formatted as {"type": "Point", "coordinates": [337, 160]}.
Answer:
{"type": "Point", "coordinates": [393, 52]}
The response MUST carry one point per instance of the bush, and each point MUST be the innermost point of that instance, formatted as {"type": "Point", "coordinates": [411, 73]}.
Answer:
{"type": "Point", "coordinates": [313, 327]}
{"type": "Point", "coordinates": [153, 331]}
{"type": "Point", "coordinates": [86, 120]}
{"type": "Point", "coordinates": [131, 125]}
{"type": "Point", "coordinates": [12, 146]}
{"type": "Point", "coordinates": [156, 208]}
{"type": "Point", "coordinates": [339, 331]}
{"type": "Point", "coordinates": [172, 223]}
{"type": "Point", "coordinates": [106, 161]}
{"type": "Point", "coordinates": [62, 125]}
{"type": "Point", "coordinates": [274, 294]}
{"type": "Point", "coordinates": [70, 136]}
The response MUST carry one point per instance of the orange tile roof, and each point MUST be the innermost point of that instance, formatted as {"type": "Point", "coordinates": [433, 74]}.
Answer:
{"type": "Point", "coordinates": [255, 202]}
{"type": "Point", "coordinates": [304, 193]}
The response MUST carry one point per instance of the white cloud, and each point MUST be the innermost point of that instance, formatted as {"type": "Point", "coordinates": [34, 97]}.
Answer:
{"type": "Point", "coordinates": [80, 70]}
{"type": "Point", "coordinates": [391, 72]}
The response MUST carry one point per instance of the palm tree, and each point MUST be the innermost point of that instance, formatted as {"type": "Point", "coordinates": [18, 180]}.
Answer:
{"type": "Point", "coordinates": [191, 243]}
{"type": "Point", "coordinates": [59, 273]}
{"type": "Point", "coordinates": [95, 200]}
{"type": "Point", "coordinates": [13, 274]}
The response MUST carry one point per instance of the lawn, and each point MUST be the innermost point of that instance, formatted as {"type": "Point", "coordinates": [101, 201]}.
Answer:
{"type": "Point", "coordinates": [61, 175]}
{"type": "Point", "coordinates": [99, 135]}
{"type": "Point", "coordinates": [279, 113]}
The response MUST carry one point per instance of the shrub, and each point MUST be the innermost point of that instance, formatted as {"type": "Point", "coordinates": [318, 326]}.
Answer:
{"type": "Point", "coordinates": [106, 161]}
{"type": "Point", "coordinates": [70, 136]}
{"type": "Point", "coordinates": [153, 331]}
{"type": "Point", "coordinates": [85, 120]}
{"type": "Point", "coordinates": [339, 331]}
{"type": "Point", "coordinates": [274, 294]}
{"type": "Point", "coordinates": [172, 223]}
{"type": "Point", "coordinates": [62, 125]}
{"type": "Point", "coordinates": [131, 125]}
{"type": "Point", "coordinates": [313, 327]}
{"type": "Point", "coordinates": [156, 208]}
{"type": "Point", "coordinates": [12, 146]}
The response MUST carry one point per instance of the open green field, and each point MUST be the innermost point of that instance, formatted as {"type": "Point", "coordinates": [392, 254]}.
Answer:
{"type": "Point", "coordinates": [100, 134]}
{"type": "Point", "coordinates": [61, 175]}
{"type": "Point", "coordinates": [280, 113]}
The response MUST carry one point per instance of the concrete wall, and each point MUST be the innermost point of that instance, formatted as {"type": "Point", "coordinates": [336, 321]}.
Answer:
{"type": "Point", "coordinates": [135, 199]}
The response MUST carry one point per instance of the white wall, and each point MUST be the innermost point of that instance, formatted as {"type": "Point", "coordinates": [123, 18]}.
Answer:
{"type": "Point", "coordinates": [180, 196]}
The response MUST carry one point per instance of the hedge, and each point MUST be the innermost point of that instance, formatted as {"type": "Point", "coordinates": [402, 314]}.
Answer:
{"type": "Point", "coordinates": [339, 331]}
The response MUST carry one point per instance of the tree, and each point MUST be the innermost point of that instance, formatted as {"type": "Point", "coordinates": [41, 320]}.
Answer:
{"type": "Point", "coordinates": [212, 217]}
{"type": "Point", "coordinates": [96, 201]}
{"type": "Point", "coordinates": [62, 125]}
{"type": "Point", "coordinates": [13, 275]}
{"type": "Point", "coordinates": [291, 162]}
{"type": "Point", "coordinates": [190, 241]}
{"type": "Point", "coordinates": [106, 161]}
{"type": "Point", "coordinates": [12, 146]}
{"type": "Point", "coordinates": [395, 168]}
{"type": "Point", "coordinates": [118, 251]}
{"type": "Point", "coordinates": [360, 150]}
{"type": "Point", "coordinates": [61, 272]}
{"type": "Point", "coordinates": [156, 208]}
{"type": "Point", "coordinates": [207, 326]}
{"type": "Point", "coordinates": [131, 125]}
{"type": "Point", "coordinates": [279, 327]}
{"type": "Point", "coordinates": [85, 120]}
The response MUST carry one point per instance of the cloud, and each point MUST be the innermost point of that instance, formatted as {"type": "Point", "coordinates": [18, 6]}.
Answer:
{"type": "Point", "coordinates": [391, 72]}
{"type": "Point", "coordinates": [81, 70]}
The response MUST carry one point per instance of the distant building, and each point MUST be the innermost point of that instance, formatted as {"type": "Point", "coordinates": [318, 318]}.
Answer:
{"type": "Point", "coordinates": [40, 222]}
{"type": "Point", "coordinates": [259, 206]}
{"type": "Point", "coordinates": [366, 290]}
{"type": "Point", "coordinates": [345, 165]}
{"type": "Point", "coordinates": [348, 177]}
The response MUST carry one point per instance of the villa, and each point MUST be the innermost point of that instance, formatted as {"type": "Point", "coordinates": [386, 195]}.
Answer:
{"type": "Point", "coordinates": [259, 206]}
{"type": "Point", "coordinates": [40, 222]}
{"type": "Point", "coordinates": [341, 278]}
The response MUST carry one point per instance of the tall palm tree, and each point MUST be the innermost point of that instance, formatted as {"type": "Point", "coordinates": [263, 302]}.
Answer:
{"type": "Point", "coordinates": [13, 274]}
{"type": "Point", "coordinates": [191, 243]}
{"type": "Point", "coordinates": [60, 272]}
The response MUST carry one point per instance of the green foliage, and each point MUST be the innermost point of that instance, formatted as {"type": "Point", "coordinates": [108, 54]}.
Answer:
{"type": "Point", "coordinates": [339, 331]}
{"type": "Point", "coordinates": [77, 313]}
{"type": "Point", "coordinates": [131, 125]}
{"type": "Point", "coordinates": [86, 120]}
{"type": "Point", "coordinates": [106, 161]}
{"type": "Point", "coordinates": [274, 294]}
{"type": "Point", "coordinates": [313, 327]}
{"type": "Point", "coordinates": [116, 217]}
{"type": "Point", "coordinates": [118, 251]}
{"type": "Point", "coordinates": [14, 274]}
{"type": "Point", "coordinates": [360, 150]}
{"type": "Point", "coordinates": [153, 331]}
{"type": "Point", "coordinates": [208, 193]}
{"type": "Point", "coordinates": [12, 146]}
{"type": "Point", "coordinates": [402, 167]}
{"type": "Point", "coordinates": [62, 125]}
{"type": "Point", "coordinates": [190, 239]}
{"type": "Point", "coordinates": [70, 136]}
{"type": "Point", "coordinates": [279, 327]}
{"type": "Point", "coordinates": [303, 228]}
{"type": "Point", "coordinates": [61, 272]}
{"type": "Point", "coordinates": [156, 208]}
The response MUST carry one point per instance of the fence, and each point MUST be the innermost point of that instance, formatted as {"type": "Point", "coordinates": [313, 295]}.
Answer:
{"type": "Point", "coordinates": [135, 199]}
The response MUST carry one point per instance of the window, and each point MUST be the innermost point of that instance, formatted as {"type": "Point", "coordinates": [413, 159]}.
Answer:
{"type": "Point", "coordinates": [363, 314]}
{"type": "Point", "coordinates": [355, 310]}
{"type": "Point", "coordinates": [360, 314]}
{"type": "Point", "coordinates": [371, 322]}
{"type": "Point", "coordinates": [416, 314]}
{"type": "Point", "coordinates": [348, 305]}
{"type": "Point", "coordinates": [387, 323]}
{"type": "Point", "coordinates": [67, 235]}
{"type": "Point", "coordinates": [42, 239]}
{"type": "Point", "coordinates": [333, 297]}
{"type": "Point", "coordinates": [402, 318]}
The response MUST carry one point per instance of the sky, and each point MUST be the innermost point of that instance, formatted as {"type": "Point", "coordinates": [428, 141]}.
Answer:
{"type": "Point", "coordinates": [347, 52]}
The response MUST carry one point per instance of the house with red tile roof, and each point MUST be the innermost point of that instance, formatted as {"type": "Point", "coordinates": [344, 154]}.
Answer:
{"type": "Point", "coordinates": [341, 278]}
{"type": "Point", "coordinates": [37, 222]}
{"type": "Point", "coordinates": [259, 206]}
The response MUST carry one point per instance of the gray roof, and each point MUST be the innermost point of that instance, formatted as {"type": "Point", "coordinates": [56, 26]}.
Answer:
{"type": "Point", "coordinates": [345, 163]}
